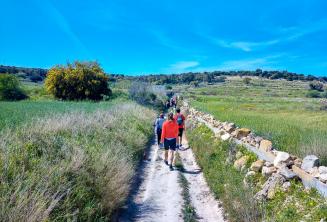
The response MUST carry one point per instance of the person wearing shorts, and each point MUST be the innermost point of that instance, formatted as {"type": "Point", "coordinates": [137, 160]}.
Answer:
{"type": "Point", "coordinates": [180, 120]}
{"type": "Point", "coordinates": [169, 137]}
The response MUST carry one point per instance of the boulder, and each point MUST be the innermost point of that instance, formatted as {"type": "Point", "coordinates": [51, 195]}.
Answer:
{"type": "Point", "coordinates": [309, 162]}
{"type": "Point", "coordinates": [287, 173]}
{"type": "Point", "coordinates": [238, 164]}
{"type": "Point", "coordinates": [257, 165]}
{"type": "Point", "coordinates": [225, 137]}
{"type": "Point", "coordinates": [268, 171]}
{"type": "Point", "coordinates": [268, 189]}
{"type": "Point", "coordinates": [243, 132]}
{"type": "Point", "coordinates": [265, 145]}
{"type": "Point", "coordinates": [268, 164]}
{"type": "Point", "coordinates": [258, 139]}
{"type": "Point", "coordinates": [322, 170]}
{"type": "Point", "coordinates": [323, 177]}
{"type": "Point", "coordinates": [282, 159]}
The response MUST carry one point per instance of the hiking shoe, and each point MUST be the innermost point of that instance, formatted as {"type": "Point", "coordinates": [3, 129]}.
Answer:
{"type": "Point", "coordinates": [166, 162]}
{"type": "Point", "coordinates": [171, 167]}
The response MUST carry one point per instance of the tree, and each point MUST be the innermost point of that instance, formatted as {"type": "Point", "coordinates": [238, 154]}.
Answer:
{"type": "Point", "coordinates": [78, 81]}
{"type": "Point", "coordinates": [10, 88]}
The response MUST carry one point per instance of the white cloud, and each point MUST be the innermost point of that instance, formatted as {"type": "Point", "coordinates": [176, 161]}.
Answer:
{"type": "Point", "coordinates": [182, 66]}
{"type": "Point", "coordinates": [287, 34]}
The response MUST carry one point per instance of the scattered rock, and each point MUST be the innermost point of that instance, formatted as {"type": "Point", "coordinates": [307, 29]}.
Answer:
{"type": "Point", "coordinates": [225, 137]}
{"type": "Point", "coordinates": [265, 145]}
{"type": "Point", "coordinates": [287, 173]}
{"type": "Point", "coordinates": [268, 171]}
{"type": "Point", "coordinates": [249, 174]}
{"type": "Point", "coordinates": [229, 127]}
{"type": "Point", "coordinates": [257, 165]}
{"type": "Point", "coordinates": [268, 164]}
{"type": "Point", "coordinates": [310, 162]}
{"type": "Point", "coordinates": [258, 139]}
{"type": "Point", "coordinates": [268, 190]}
{"type": "Point", "coordinates": [243, 132]}
{"type": "Point", "coordinates": [323, 177]}
{"type": "Point", "coordinates": [286, 186]}
{"type": "Point", "coordinates": [298, 162]}
{"type": "Point", "coordinates": [314, 172]}
{"type": "Point", "coordinates": [323, 170]}
{"type": "Point", "coordinates": [281, 159]}
{"type": "Point", "coordinates": [238, 164]}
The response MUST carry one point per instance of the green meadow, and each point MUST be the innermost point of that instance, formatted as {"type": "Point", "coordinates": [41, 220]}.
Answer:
{"type": "Point", "coordinates": [274, 109]}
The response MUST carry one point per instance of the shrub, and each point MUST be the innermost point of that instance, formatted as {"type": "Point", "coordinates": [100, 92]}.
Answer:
{"type": "Point", "coordinates": [194, 83]}
{"type": "Point", "coordinates": [169, 87]}
{"type": "Point", "coordinates": [313, 94]}
{"type": "Point", "coordinates": [10, 88]}
{"type": "Point", "coordinates": [77, 81]}
{"type": "Point", "coordinates": [315, 85]}
{"type": "Point", "coordinates": [247, 80]}
{"type": "Point", "coordinates": [145, 94]}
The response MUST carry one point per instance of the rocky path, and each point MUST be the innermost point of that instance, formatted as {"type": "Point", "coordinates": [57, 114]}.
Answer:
{"type": "Point", "coordinates": [157, 196]}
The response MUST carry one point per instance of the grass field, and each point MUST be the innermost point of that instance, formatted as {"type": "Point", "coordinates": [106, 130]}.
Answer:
{"type": "Point", "coordinates": [275, 109]}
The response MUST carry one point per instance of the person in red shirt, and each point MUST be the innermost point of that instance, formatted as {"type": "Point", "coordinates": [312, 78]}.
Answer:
{"type": "Point", "coordinates": [169, 136]}
{"type": "Point", "coordinates": [180, 120]}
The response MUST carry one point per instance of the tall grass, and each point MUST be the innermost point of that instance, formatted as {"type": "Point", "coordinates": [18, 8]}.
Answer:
{"type": "Point", "coordinates": [71, 167]}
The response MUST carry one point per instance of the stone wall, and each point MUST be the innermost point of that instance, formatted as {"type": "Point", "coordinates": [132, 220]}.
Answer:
{"type": "Point", "coordinates": [278, 166]}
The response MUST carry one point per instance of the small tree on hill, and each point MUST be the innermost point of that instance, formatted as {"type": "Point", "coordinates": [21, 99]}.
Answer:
{"type": "Point", "coordinates": [315, 85]}
{"type": "Point", "coordinates": [10, 88]}
{"type": "Point", "coordinates": [78, 81]}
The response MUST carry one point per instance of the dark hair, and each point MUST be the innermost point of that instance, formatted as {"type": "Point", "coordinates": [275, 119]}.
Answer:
{"type": "Point", "coordinates": [161, 115]}
{"type": "Point", "coordinates": [171, 116]}
{"type": "Point", "coordinates": [178, 110]}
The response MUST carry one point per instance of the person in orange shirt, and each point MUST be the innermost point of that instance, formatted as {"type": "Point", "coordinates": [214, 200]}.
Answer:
{"type": "Point", "coordinates": [180, 120]}
{"type": "Point", "coordinates": [169, 138]}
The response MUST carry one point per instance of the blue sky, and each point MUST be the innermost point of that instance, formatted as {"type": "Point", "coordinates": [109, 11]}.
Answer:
{"type": "Point", "coordinates": [167, 36]}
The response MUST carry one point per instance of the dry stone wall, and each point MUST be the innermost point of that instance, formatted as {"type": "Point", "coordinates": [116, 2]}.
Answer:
{"type": "Point", "coordinates": [278, 166]}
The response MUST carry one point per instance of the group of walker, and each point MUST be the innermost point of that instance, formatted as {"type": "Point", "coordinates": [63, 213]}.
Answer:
{"type": "Point", "coordinates": [170, 133]}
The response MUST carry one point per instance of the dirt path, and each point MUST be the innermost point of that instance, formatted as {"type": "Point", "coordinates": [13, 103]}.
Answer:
{"type": "Point", "coordinates": [206, 206]}
{"type": "Point", "coordinates": [157, 195]}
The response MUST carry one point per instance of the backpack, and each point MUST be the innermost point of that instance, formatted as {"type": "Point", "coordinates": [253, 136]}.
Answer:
{"type": "Point", "coordinates": [180, 120]}
{"type": "Point", "coordinates": [160, 122]}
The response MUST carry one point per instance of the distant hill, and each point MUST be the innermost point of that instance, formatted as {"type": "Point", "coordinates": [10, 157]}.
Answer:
{"type": "Point", "coordinates": [38, 75]}
{"type": "Point", "coordinates": [28, 74]}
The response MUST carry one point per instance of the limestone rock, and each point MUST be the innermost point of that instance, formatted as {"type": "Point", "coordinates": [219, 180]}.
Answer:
{"type": "Point", "coordinates": [225, 137]}
{"type": "Point", "coordinates": [265, 145]}
{"type": "Point", "coordinates": [286, 185]}
{"type": "Point", "coordinates": [268, 164]}
{"type": "Point", "coordinates": [314, 171]}
{"type": "Point", "coordinates": [229, 127]}
{"type": "Point", "coordinates": [257, 165]}
{"type": "Point", "coordinates": [268, 189]}
{"type": "Point", "coordinates": [287, 173]}
{"type": "Point", "coordinates": [281, 159]}
{"type": "Point", "coordinates": [323, 170]}
{"type": "Point", "coordinates": [310, 162]}
{"type": "Point", "coordinates": [243, 132]}
{"type": "Point", "coordinates": [323, 177]}
{"type": "Point", "coordinates": [298, 162]}
{"type": "Point", "coordinates": [238, 164]}
{"type": "Point", "coordinates": [249, 174]}
{"type": "Point", "coordinates": [268, 171]}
